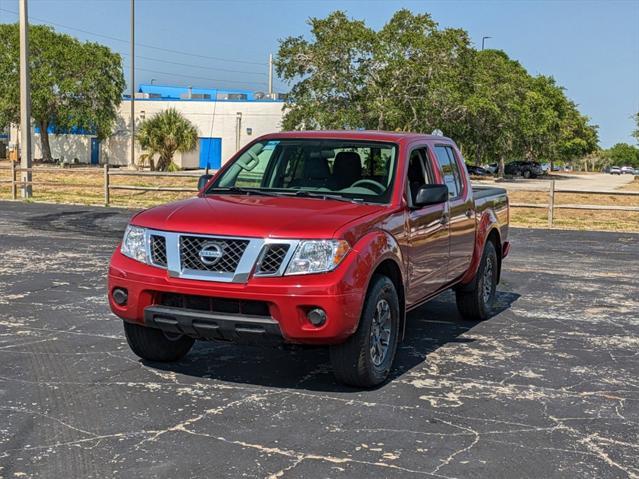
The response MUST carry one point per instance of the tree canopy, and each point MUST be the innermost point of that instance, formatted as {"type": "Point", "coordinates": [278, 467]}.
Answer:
{"type": "Point", "coordinates": [73, 84]}
{"type": "Point", "coordinates": [165, 133]}
{"type": "Point", "coordinates": [622, 154]}
{"type": "Point", "coordinates": [412, 76]}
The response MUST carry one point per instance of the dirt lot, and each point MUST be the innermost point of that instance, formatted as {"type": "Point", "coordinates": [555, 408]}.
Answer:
{"type": "Point", "coordinates": [548, 387]}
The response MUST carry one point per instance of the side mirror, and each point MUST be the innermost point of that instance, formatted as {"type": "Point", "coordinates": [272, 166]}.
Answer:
{"type": "Point", "coordinates": [204, 179]}
{"type": "Point", "coordinates": [431, 195]}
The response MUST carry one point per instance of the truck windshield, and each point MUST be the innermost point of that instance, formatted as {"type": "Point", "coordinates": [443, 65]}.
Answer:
{"type": "Point", "coordinates": [356, 170]}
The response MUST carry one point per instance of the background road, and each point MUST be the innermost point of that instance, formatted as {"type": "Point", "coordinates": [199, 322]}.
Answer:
{"type": "Point", "coordinates": [549, 387]}
{"type": "Point", "coordinates": [568, 181]}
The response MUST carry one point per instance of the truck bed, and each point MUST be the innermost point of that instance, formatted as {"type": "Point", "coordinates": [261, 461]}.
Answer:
{"type": "Point", "coordinates": [480, 192]}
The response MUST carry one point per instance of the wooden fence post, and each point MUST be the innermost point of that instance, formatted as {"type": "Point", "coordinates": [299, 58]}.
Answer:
{"type": "Point", "coordinates": [106, 184]}
{"type": "Point", "coordinates": [14, 186]}
{"type": "Point", "coordinates": [551, 203]}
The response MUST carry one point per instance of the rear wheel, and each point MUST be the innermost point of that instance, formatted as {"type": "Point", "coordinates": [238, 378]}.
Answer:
{"type": "Point", "coordinates": [155, 345]}
{"type": "Point", "coordinates": [365, 359]}
{"type": "Point", "coordinates": [475, 301]}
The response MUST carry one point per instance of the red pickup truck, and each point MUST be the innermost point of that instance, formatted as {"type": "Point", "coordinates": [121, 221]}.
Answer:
{"type": "Point", "coordinates": [323, 237]}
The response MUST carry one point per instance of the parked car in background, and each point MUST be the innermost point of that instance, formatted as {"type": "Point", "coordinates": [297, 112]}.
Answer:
{"type": "Point", "coordinates": [627, 170]}
{"type": "Point", "coordinates": [492, 168]}
{"type": "Point", "coordinates": [475, 170]}
{"type": "Point", "coordinates": [527, 169]}
{"type": "Point", "coordinates": [615, 170]}
{"type": "Point", "coordinates": [556, 168]}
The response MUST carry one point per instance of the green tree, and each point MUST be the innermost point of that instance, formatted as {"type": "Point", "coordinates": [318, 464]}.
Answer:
{"type": "Point", "coordinates": [623, 154]}
{"type": "Point", "coordinates": [165, 133]}
{"type": "Point", "coordinates": [402, 77]}
{"type": "Point", "coordinates": [73, 84]}
{"type": "Point", "coordinates": [495, 107]}
{"type": "Point", "coordinates": [412, 76]}
{"type": "Point", "coordinates": [636, 132]}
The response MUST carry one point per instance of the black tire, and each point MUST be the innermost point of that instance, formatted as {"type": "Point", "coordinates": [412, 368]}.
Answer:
{"type": "Point", "coordinates": [526, 174]}
{"type": "Point", "coordinates": [473, 301]}
{"type": "Point", "coordinates": [353, 362]}
{"type": "Point", "coordinates": [153, 345]}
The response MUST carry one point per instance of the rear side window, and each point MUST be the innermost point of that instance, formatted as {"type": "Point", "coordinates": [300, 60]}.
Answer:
{"type": "Point", "coordinates": [450, 170]}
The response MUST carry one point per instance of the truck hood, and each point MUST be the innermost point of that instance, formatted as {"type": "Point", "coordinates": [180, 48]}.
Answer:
{"type": "Point", "coordinates": [255, 216]}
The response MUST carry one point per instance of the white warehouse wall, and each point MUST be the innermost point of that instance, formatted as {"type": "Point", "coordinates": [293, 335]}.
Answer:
{"type": "Point", "coordinates": [213, 119]}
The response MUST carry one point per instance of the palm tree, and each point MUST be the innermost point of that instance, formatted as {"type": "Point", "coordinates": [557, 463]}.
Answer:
{"type": "Point", "coordinates": [165, 133]}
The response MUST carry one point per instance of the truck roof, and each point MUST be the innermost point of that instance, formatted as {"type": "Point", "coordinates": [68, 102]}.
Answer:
{"type": "Point", "coordinates": [374, 135]}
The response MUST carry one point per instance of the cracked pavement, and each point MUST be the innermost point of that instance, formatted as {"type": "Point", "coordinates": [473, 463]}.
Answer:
{"type": "Point", "coordinates": [548, 387]}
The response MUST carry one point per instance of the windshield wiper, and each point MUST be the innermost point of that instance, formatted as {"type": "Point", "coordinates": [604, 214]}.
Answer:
{"type": "Point", "coordinates": [324, 196]}
{"type": "Point", "coordinates": [241, 191]}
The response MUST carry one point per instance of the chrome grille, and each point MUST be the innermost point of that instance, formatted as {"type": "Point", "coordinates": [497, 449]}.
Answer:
{"type": "Point", "coordinates": [158, 251]}
{"type": "Point", "coordinates": [272, 258]}
{"type": "Point", "coordinates": [231, 253]}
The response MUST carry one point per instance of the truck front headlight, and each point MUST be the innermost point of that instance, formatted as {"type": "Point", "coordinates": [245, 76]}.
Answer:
{"type": "Point", "coordinates": [134, 243]}
{"type": "Point", "coordinates": [317, 256]}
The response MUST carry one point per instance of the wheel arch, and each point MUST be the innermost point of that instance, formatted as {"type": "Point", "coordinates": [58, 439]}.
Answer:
{"type": "Point", "coordinates": [392, 271]}
{"type": "Point", "coordinates": [381, 254]}
{"type": "Point", "coordinates": [494, 236]}
{"type": "Point", "coordinates": [487, 230]}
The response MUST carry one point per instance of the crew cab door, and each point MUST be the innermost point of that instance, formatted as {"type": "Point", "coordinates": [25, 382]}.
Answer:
{"type": "Point", "coordinates": [428, 248]}
{"type": "Point", "coordinates": [462, 210]}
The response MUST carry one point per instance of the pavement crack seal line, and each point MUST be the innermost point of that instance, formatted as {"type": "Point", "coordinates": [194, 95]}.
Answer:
{"type": "Point", "coordinates": [52, 418]}
{"type": "Point", "coordinates": [76, 442]}
{"type": "Point", "coordinates": [589, 442]}
{"type": "Point", "coordinates": [217, 410]}
{"type": "Point", "coordinates": [59, 331]}
{"type": "Point", "coordinates": [301, 456]}
{"type": "Point", "coordinates": [447, 461]}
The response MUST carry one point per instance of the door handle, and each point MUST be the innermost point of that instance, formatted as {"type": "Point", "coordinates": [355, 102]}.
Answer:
{"type": "Point", "coordinates": [444, 218]}
{"type": "Point", "coordinates": [469, 213]}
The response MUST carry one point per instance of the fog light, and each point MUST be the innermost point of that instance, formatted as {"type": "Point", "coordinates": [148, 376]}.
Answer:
{"type": "Point", "coordinates": [120, 296]}
{"type": "Point", "coordinates": [317, 316]}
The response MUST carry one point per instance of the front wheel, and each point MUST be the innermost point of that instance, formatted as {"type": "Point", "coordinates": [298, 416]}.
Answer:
{"type": "Point", "coordinates": [475, 301]}
{"type": "Point", "coordinates": [365, 359]}
{"type": "Point", "coordinates": [155, 345]}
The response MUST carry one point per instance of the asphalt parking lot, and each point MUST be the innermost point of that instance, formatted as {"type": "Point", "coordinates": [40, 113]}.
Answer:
{"type": "Point", "coordinates": [549, 387]}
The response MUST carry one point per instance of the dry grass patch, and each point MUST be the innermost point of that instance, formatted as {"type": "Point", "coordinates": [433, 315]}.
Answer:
{"type": "Point", "coordinates": [632, 186]}
{"type": "Point", "coordinates": [541, 197]}
{"type": "Point", "coordinates": [86, 187]}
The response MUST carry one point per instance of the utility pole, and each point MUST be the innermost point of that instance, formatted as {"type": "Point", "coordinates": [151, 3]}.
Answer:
{"type": "Point", "coordinates": [132, 159]}
{"type": "Point", "coordinates": [270, 75]}
{"type": "Point", "coordinates": [238, 130]}
{"type": "Point", "coordinates": [483, 40]}
{"type": "Point", "coordinates": [25, 104]}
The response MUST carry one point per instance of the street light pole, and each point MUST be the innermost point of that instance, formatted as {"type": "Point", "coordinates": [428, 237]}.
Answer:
{"type": "Point", "coordinates": [270, 75]}
{"type": "Point", "coordinates": [483, 39]}
{"type": "Point", "coordinates": [25, 103]}
{"type": "Point", "coordinates": [132, 159]}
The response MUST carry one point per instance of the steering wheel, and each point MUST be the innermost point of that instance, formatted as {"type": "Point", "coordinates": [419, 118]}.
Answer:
{"type": "Point", "coordinates": [376, 185]}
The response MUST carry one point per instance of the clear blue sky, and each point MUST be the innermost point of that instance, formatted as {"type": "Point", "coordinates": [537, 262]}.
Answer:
{"type": "Point", "coordinates": [590, 47]}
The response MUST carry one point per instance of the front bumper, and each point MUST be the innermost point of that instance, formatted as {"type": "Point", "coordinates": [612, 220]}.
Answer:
{"type": "Point", "coordinates": [206, 325]}
{"type": "Point", "coordinates": [287, 300]}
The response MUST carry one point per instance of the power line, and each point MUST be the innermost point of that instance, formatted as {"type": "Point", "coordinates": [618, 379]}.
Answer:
{"type": "Point", "coordinates": [197, 66]}
{"type": "Point", "coordinates": [180, 52]}
{"type": "Point", "coordinates": [200, 78]}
